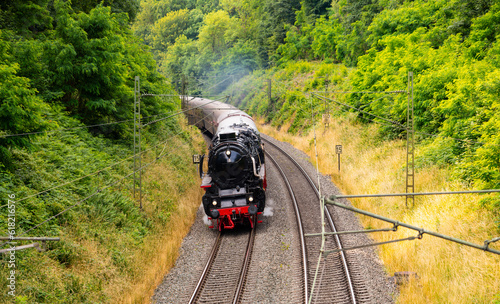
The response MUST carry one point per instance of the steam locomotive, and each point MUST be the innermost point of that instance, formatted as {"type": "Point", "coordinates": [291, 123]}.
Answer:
{"type": "Point", "coordinates": [235, 181]}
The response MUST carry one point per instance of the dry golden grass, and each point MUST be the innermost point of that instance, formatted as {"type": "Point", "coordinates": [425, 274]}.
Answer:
{"type": "Point", "coordinates": [448, 272]}
{"type": "Point", "coordinates": [162, 185]}
{"type": "Point", "coordinates": [161, 252]}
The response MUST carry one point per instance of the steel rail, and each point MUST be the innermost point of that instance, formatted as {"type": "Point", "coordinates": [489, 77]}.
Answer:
{"type": "Point", "coordinates": [243, 274]}
{"type": "Point", "coordinates": [330, 221]}
{"type": "Point", "coordinates": [344, 260]}
{"type": "Point", "coordinates": [300, 227]}
{"type": "Point", "coordinates": [246, 264]}
{"type": "Point", "coordinates": [203, 277]}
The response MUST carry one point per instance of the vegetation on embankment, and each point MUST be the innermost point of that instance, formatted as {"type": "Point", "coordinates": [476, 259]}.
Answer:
{"type": "Point", "coordinates": [447, 272]}
{"type": "Point", "coordinates": [374, 161]}
{"type": "Point", "coordinates": [66, 156]}
{"type": "Point", "coordinates": [450, 46]}
{"type": "Point", "coordinates": [110, 251]}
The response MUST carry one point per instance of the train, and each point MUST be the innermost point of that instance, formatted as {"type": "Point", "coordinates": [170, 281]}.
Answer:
{"type": "Point", "coordinates": [235, 182]}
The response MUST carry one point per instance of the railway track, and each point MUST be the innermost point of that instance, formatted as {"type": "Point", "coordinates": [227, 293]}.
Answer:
{"type": "Point", "coordinates": [334, 283]}
{"type": "Point", "coordinates": [224, 276]}
{"type": "Point", "coordinates": [222, 281]}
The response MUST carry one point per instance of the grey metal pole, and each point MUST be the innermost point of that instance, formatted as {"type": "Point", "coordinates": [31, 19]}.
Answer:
{"type": "Point", "coordinates": [137, 137]}
{"type": "Point", "coordinates": [415, 194]}
{"type": "Point", "coordinates": [16, 248]}
{"type": "Point", "coordinates": [339, 161]}
{"type": "Point", "coordinates": [422, 231]}
{"type": "Point", "coordinates": [136, 79]}
{"type": "Point", "coordinates": [410, 144]}
{"type": "Point", "coordinates": [140, 131]}
{"type": "Point", "coordinates": [269, 91]}
{"type": "Point", "coordinates": [17, 238]}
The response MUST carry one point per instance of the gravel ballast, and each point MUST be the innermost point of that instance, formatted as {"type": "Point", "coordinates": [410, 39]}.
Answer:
{"type": "Point", "coordinates": [274, 273]}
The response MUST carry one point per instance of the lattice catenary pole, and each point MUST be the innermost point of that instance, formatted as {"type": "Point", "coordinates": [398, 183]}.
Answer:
{"type": "Point", "coordinates": [410, 144]}
{"type": "Point", "coordinates": [137, 138]}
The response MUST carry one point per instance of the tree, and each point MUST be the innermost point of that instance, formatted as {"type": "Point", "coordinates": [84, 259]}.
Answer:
{"type": "Point", "coordinates": [25, 17]}
{"type": "Point", "coordinates": [21, 110]}
{"type": "Point", "coordinates": [86, 61]}
{"type": "Point", "coordinates": [166, 30]}
{"type": "Point", "coordinates": [130, 7]}
{"type": "Point", "coordinates": [180, 60]}
{"type": "Point", "coordinates": [212, 35]}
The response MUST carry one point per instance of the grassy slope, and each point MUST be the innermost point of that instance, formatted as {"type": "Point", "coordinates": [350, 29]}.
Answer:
{"type": "Point", "coordinates": [110, 250]}
{"type": "Point", "coordinates": [448, 272]}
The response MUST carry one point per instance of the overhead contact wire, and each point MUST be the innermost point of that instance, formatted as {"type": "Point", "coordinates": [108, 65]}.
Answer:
{"type": "Point", "coordinates": [96, 125]}
{"type": "Point", "coordinates": [98, 190]}
{"type": "Point", "coordinates": [68, 129]}
{"type": "Point", "coordinates": [180, 112]}
{"type": "Point", "coordinates": [93, 173]}
{"type": "Point", "coordinates": [392, 123]}
{"type": "Point", "coordinates": [362, 111]}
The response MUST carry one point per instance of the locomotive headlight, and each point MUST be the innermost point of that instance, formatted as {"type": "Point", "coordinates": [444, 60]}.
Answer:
{"type": "Point", "coordinates": [250, 198]}
{"type": "Point", "coordinates": [214, 203]}
{"type": "Point", "coordinates": [228, 152]}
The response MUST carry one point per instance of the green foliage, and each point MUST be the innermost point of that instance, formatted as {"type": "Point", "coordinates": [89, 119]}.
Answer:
{"type": "Point", "coordinates": [180, 59]}
{"type": "Point", "coordinates": [276, 15]}
{"type": "Point", "coordinates": [21, 110]}
{"type": "Point", "coordinates": [130, 7]}
{"type": "Point", "coordinates": [242, 57]}
{"type": "Point", "coordinates": [327, 36]}
{"type": "Point", "coordinates": [167, 29]}
{"type": "Point", "coordinates": [297, 44]}
{"type": "Point", "coordinates": [111, 221]}
{"type": "Point", "coordinates": [216, 33]}
{"type": "Point", "coordinates": [484, 33]}
{"type": "Point", "coordinates": [439, 152]}
{"type": "Point", "coordinates": [408, 18]}
{"type": "Point", "coordinates": [222, 33]}
{"type": "Point", "coordinates": [451, 47]}
{"type": "Point", "coordinates": [315, 8]}
{"type": "Point", "coordinates": [86, 63]}
{"type": "Point", "coordinates": [25, 17]}
{"type": "Point", "coordinates": [65, 65]}
{"type": "Point", "coordinates": [88, 59]}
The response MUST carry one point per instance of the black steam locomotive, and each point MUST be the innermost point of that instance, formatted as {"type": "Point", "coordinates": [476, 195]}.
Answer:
{"type": "Point", "coordinates": [235, 182]}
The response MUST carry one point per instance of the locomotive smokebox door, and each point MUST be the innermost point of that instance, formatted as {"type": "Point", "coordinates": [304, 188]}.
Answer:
{"type": "Point", "coordinates": [196, 158]}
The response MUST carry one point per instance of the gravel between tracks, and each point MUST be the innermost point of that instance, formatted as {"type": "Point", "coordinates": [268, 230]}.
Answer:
{"type": "Point", "coordinates": [378, 285]}
{"type": "Point", "coordinates": [274, 274]}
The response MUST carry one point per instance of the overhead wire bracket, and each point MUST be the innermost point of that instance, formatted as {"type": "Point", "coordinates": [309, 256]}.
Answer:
{"type": "Point", "coordinates": [421, 231]}
{"type": "Point", "coordinates": [411, 238]}
{"type": "Point", "coordinates": [353, 232]}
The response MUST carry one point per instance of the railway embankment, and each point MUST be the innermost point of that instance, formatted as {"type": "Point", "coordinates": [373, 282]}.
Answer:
{"type": "Point", "coordinates": [110, 250]}
{"type": "Point", "coordinates": [446, 271]}
{"type": "Point", "coordinates": [373, 161]}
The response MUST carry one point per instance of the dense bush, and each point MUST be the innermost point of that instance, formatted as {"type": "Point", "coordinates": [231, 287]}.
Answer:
{"type": "Point", "coordinates": [65, 66]}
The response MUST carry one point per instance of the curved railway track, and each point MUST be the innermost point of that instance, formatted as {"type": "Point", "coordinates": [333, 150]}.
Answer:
{"type": "Point", "coordinates": [301, 231]}
{"type": "Point", "coordinates": [222, 281]}
{"type": "Point", "coordinates": [334, 283]}
{"type": "Point", "coordinates": [224, 276]}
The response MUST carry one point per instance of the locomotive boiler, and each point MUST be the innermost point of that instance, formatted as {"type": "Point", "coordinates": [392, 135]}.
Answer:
{"type": "Point", "coordinates": [235, 181]}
